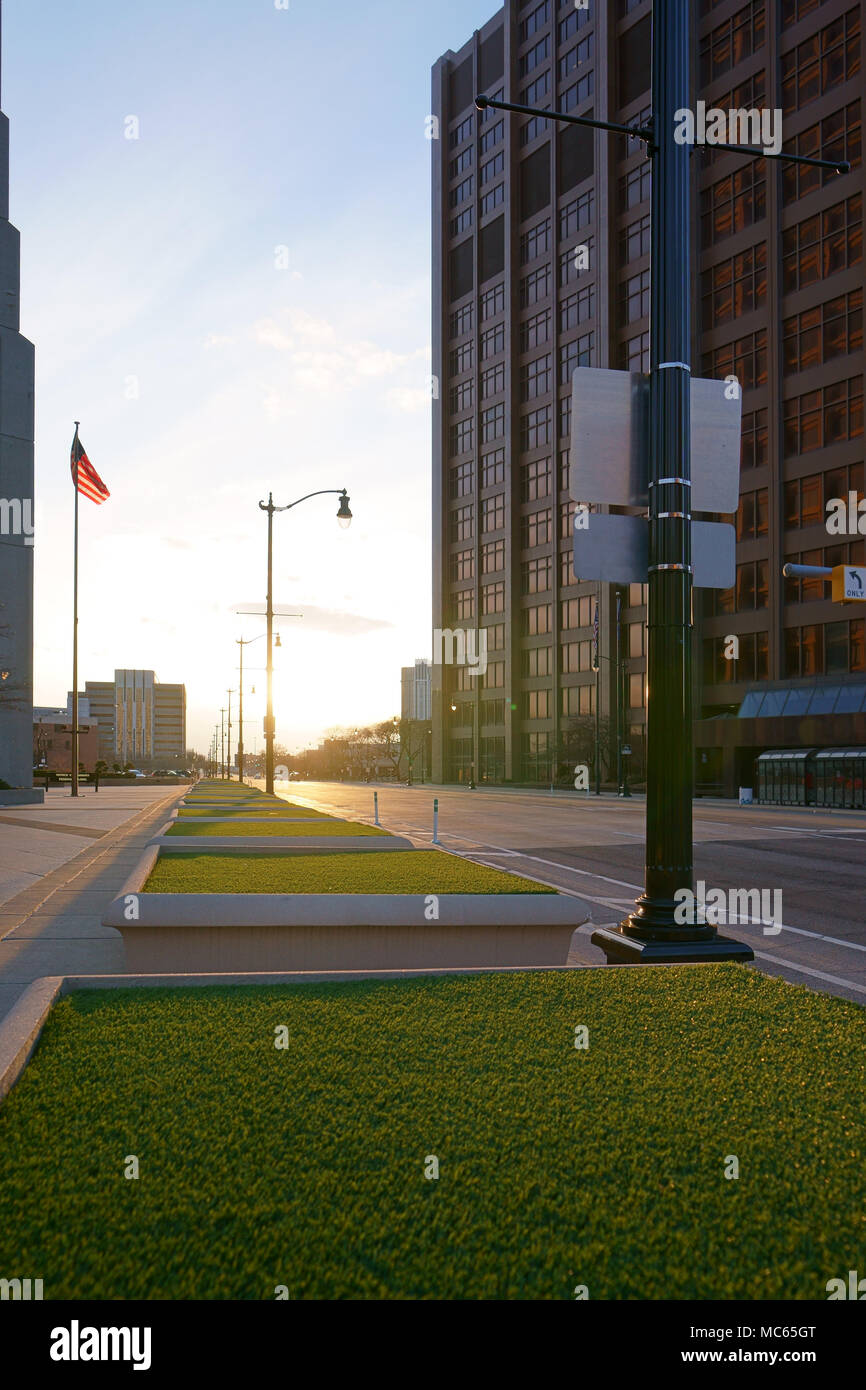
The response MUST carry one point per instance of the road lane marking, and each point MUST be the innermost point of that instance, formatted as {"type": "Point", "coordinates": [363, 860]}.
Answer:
{"type": "Point", "coordinates": [807, 970]}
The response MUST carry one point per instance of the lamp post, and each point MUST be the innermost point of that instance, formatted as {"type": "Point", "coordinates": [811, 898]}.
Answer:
{"type": "Point", "coordinates": [653, 932]}
{"type": "Point", "coordinates": [344, 517]}
{"type": "Point", "coordinates": [230, 693]}
{"type": "Point", "coordinates": [222, 743]}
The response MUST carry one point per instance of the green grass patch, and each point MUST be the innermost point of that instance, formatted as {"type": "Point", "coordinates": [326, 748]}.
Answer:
{"type": "Point", "coordinates": [557, 1166]}
{"type": "Point", "coordinates": [285, 809]}
{"type": "Point", "coordinates": [258, 825]}
{"type": "Point", "coordinates": [394, 871]}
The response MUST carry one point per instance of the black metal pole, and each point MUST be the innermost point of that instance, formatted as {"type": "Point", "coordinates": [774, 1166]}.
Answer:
{"type": "Point", "coordinates": [651, 932]}
{"type": "Point", "coordinates": [618, 682]}
{"type": "Point", "coordinates": [269, 713]}
{"type": "Point", "coordinates": [241, 716]}
{"type": "Point", "coordinates": [597, 714]}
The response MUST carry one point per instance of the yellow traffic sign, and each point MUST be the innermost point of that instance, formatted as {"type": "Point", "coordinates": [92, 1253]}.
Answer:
{"type": "Point", "coordinates": [849, 584]}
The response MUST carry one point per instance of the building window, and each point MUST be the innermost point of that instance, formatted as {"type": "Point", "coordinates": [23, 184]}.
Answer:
{"type": "Point", "coordinates": [493, 513]}
{"type": "Point", "coordinates": [461, 223]}
{"type": "Point", "coordinates": [493, 711]}
{"type": "Point", "coordinates": [565, 417]}
{"type": "Point", "coordinates": [493, 468]}
{"type": "Point", "coordinates": [493, 167]}
{"type": "Point", "coordinates": [820, 418]}
{"type": "Point", "coordinates": [460, 397]}
{"type": "Point", "coordinates": [576, 214]}
{"type": "Point", "coordinates": [493, 301]}
{"type": "Point", "coordinates": [494, 677]}
{"type": "Point", "coordinates": [461, 436]}
{"type": "Point", "coordinates": [536, 620]}
{"type": "Point", "coordinates": [460, 322]}
{"type": "Point", "coordinates": [461, 359]}
{"type": "Point", "coordinates": [536, 575]}
{"type": "Point", "coordinates": [579, 91]}
{"type": "Point", "coordinates": [578, 353]}
{"type": "Point", "coordinates": [538, 661]}
{"type": "Point", "coordinates": [493, 598]}
{"type": "Point", "coordinates": [567, 576]}
{"type": "Point", "coordinates": [821, 63]}
{"type": "Point", "coordinates": [491, 137]}
{"type": "Point", "coordinates": [634, 297]}
{"type": "Point", "coordinates": [492, 557]}
{"type": "Point", "coordinates": [636, 186]}
{"type": "Point", "coordinates": [534, 428]}
{"type": "Point", "coordinates": [492, 341]}
{"type": "Point", "coordinates": [735, 287]}
{"type": "Point", "coordinates": [461, 163]}
{"type": "Point", "coordinates": [459, 194]}
{"type": "Point", "coordinates": [535, 242]}
{"type": "Point", "coordinates": [573, 21]}
{"type": "Point", "coordinates": [535, 331]}
{"type": "Point", "coordinates": [536, 704]}
{"type": "Point", "coordinates": [752, 515]}
{"type": "Point", "coordinates": [463, 604]}
{"type": "Point", "coordinates": [462, 566]}
{"type": "Point", "coordinates": [577, 308]}
{"type": "Point", "coordinates": [751, 586]}
{"type": "Point", "coordinates": [634, 240]}
{"type": "Point", "coordinates": [535, 55]}
{"type": "Point", "coordinates": [492, 199]}
{"type": "Point", "coordinates": [753, 445]}
{"type": "Point", "coordinates": [535, 378]}
{"type": "Point", "coordinates": [635, 353]}
{"type": "Point", "coordinates": [820, 334]}
{"type": "Point", "coordinates": [836, 137]}
{"type": "Point", "coordinates": [746, 359]}
{"type": "Point", "coordinates": [734, 203]}
{"type": "Point", "coordinates": [823, 245]}
{"type": "Point", "coordinates": [535, 286]}
{"type": "Point", "coordinates": [462, 527]}
{"type": "Point", "coordinates": [460, 133]}
{"type": "Point", "coordinates": [492, 381]}
{"type": "Point", "coordinates": [495, 637]}
{"type": "Point", "coordinates": [731, 42]}
{"type": "Point", "coordinates": [462, 480]}
{"type": "Point", "coordinates": [492, 423]}
{"type": "Point", "coordinates": [535, 529]}
{"type": "Point", "coordinates": [535, 480]}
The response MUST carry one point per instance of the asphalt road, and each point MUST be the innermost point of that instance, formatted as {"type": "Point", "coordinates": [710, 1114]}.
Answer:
{"type": "Point", "coordinates": [594, 848]}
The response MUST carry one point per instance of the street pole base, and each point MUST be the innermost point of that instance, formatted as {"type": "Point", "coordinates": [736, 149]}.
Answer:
{"type": "Point", "coordinates": [621, 949]}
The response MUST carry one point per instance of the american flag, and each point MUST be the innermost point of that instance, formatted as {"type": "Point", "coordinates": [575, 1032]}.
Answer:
{"type": "Point", "coordinates": [84, 475]}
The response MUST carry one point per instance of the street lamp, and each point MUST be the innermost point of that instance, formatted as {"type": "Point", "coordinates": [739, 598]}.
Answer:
{"type": "Point", "coordinates": [246, 642]}
{"type": "Point", "coordinates": [344, 519]}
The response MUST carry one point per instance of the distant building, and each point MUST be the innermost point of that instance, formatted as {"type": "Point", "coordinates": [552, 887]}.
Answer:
{"type": "Point", "coordinates": [415, 691]}
{"type": "Point", "coordinates": [141, 721]}
{"type": "Point", "coordinates": [52, 740]}
{"type": "Point", "coordinates": [16, 512]}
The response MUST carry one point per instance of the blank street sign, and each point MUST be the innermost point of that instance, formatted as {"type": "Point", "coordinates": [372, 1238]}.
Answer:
{"type": "Point", "coordinates": [610, 441]}
{"type": "Point", "coordinates": [615, 549]}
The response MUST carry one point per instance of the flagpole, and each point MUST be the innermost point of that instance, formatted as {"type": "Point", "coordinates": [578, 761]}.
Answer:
{"type": "Point", "coordinates": [75, 637]}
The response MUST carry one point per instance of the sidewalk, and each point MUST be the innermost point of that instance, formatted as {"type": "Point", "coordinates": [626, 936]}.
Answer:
{"type": "Point", "coordinates": [60, 864]}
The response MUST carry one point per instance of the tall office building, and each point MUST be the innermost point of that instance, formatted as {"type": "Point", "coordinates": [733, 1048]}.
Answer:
{"type": "Point", "coordinates": [16, 512]}
{"type": "Point", "coordinates": [541, 240]}
{"type": "Point", "coordinates": [141, 721]}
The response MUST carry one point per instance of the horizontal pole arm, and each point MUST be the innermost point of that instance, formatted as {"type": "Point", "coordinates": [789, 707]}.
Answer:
{"type": "Point", "coordinates": [321, 492]}
{"type": "Point", "coordinates": [636, 132]}
{"type": "Point", "coordinates": [839, 166]}
{"type": "Point", "coordinates": [806, 571]}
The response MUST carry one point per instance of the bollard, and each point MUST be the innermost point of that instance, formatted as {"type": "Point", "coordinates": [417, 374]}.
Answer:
{"type": "Point", "coordinates": [376, 807]}
{"type": "Point", "coordinates": [435, 820]}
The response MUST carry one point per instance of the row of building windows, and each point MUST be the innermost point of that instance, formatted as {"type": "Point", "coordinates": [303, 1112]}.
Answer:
{"type": "Point", "coordinates": [813, 650]}
{"type": "Point", "coordinates": [820, 334]}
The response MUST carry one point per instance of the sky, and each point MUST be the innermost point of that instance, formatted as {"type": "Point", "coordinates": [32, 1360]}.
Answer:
{"type": "Point", "coordinates": [224, 208]}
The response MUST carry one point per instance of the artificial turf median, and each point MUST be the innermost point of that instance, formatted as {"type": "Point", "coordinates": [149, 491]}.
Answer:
{"type": "Point", "coordinates": [421, 871]}
{"type": "Point", "coordinates": [257, 826]}
{"type": "Point", "coordinates": [557, 1167]}
{"type": "Point", "coordinates": [284, 809]}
